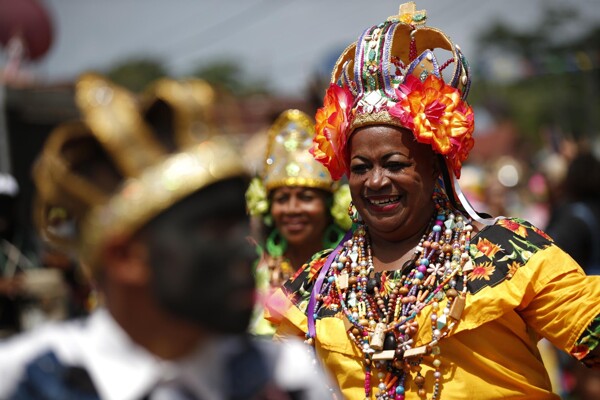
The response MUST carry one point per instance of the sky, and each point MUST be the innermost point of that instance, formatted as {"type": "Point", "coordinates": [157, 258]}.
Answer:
{"type": "Point", "coordinates": [282, 41]}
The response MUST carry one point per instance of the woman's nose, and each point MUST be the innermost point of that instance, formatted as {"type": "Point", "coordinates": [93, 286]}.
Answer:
{"type": "Point", "coordinates": [377, 179]}
{"type": "Point", "coordinates": [292, 205]}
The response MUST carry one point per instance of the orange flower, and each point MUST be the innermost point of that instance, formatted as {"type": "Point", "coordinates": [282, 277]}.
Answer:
{"type": "Point", "coordinates": [315, 268]}
{"type": "Point", "coordinates": [482, 271]}
{"type": "Point", "coordinates": [513, 226]}
{"type": "Point", "coordinates": [513, 267]}
{"type": "Point", "coordinates": [333, 119]}
{"type": "Point", "coordinates": [488, 248]}
{"type": "Point", "coordinates": [438, 116]}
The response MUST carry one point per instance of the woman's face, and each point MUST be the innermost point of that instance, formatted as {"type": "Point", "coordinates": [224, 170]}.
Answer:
{"type": "Point", "coordinates": [300, 214]}
{"type": "Point", "coordinates": [391, 180]}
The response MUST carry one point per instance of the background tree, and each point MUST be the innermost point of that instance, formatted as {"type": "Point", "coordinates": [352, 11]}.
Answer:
{"type": "Point", "coordinates": [543, 78]}
{"type": "Point", "coordinates": [228, 75]}
{"type": "Point", "coordinates": [136, 74]}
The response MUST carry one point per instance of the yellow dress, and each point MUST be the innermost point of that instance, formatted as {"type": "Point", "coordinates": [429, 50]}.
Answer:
{"type": "Point", "coordinates": [523, 288]}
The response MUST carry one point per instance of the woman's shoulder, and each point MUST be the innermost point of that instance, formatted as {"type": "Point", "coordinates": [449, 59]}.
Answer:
{"type": "Point", "coordinates": [498, 251]}
{"type": "Point", "coordinates": [514, 228]}
{"type": "Point", "coordinates": [309, 271]}
{"type": "Point", "coordinates": [299, 287]}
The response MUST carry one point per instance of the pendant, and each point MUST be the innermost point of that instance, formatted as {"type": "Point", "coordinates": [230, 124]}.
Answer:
{"type": "Point", "coordinates": [377, 339]}
{"type": "Point", "coordinates": [384, 355]}
{"type": "Point", "coordinates": [417, 351]}
{"type": "Point", "coordinates": [342, 281]}
{"type": "Point", "coordinates": [457, 307]}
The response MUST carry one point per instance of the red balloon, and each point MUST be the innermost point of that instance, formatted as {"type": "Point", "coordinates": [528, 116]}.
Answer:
{"type": "Point", "coordinates": [29, 19]}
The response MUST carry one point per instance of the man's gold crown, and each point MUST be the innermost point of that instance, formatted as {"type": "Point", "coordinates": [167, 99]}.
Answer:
{"type": "Point", "coordinates": [127, 161]}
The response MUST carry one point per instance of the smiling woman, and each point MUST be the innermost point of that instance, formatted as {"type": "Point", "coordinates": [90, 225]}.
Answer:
{"type": "Point", "coordinates": [302, 209]}
{"type": "Point", "coordinates": [301, 216]}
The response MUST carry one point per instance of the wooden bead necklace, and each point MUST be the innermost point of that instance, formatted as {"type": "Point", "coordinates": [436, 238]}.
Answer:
{"type": "Point", "coordinates": [381, 308]}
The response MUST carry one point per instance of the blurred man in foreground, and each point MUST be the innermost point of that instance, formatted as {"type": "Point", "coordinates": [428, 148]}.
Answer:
{"type": "Point", "coordinates": [157, 217]}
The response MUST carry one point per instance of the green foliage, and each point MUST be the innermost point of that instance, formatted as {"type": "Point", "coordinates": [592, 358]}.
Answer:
{"type": "Point", "coordinates": [136, 74]}
{"type": "Point", "coordinates": [561, 80]}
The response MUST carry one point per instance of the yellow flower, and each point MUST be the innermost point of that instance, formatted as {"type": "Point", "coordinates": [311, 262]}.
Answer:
{"type": "Point", "coordinates": [513, 267]}
{"type": "Point", "coordinates": [482, 271]}
{"type": "Point", "coordinates": [339, 209]}
{"type": "Point", "coordinates": [257, 202]}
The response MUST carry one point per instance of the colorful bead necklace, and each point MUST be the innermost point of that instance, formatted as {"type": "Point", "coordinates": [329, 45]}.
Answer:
{"type": "Point", "coordinates": [381, 308]}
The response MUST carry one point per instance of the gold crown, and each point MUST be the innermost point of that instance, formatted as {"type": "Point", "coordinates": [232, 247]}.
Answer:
{"type": "Point", "coordinates": [386, 54]}
{"type": "Point", "coordinates": [127, 161]}
{"type": "Point", "coordinates": [402, 73]}
{"type": "Point", "coordinates": [287, 160]}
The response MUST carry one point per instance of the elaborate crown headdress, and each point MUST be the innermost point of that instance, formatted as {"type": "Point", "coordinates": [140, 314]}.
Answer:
{"type": "Point", "coordinates": [287, 160]}
{"type": "Point", "coordinates": [392, 76]}
{"type": "Point", "coordinates": [289, 163]}
{"type": "Point", "coordinates": [122, 165]}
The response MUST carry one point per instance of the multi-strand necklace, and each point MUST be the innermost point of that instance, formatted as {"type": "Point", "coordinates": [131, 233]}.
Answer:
{"type": "Point", "coordinates": [381, 308]}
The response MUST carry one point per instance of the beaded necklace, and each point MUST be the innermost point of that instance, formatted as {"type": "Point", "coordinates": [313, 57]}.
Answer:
{"type": "Point", "coordinates": [381, 308]}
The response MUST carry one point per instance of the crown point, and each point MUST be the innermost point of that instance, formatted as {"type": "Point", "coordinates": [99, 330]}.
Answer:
{"type": "Point", "coordinates": [103, 95]}
{"type": "Point", "coordinates": [408, 14]}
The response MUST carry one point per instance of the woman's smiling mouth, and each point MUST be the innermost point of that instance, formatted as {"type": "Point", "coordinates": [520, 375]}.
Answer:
{"type": "Point", "coordinates": [383, 203]}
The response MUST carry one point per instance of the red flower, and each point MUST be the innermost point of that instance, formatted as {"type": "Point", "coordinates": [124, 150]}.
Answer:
{"type": "Point", "coordinates": [513, 226]}
{"type": "Point", "coordinates": [333, 119]}
{"type": "Point", "coordinates": [542, 233]}
{"type": "Point", "coordinates": [315, 268]}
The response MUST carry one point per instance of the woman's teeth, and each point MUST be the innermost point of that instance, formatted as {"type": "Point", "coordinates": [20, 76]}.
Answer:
{"type": "Point", "coordinates": [383, 202]}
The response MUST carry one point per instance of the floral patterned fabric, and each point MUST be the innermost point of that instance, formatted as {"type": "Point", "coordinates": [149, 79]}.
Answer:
{"type": "Point", "coordinates": [500, 250]}
{"type": "Point", "coordinates": [497, 252]}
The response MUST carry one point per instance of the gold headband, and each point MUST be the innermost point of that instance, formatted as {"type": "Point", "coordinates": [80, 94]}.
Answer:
{"type": "Point", "coordinates": [287, 160]}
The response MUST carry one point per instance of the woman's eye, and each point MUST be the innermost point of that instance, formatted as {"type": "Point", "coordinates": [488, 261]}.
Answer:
{"type": "Point", "coordinates": [280, 199]}
{"type": "Point", "coordinates": [358, 169]}
{"type": "Point", "coordinates": [395, 166]}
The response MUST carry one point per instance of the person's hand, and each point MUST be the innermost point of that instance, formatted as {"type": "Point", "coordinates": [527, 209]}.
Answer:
{"type": "Point", "coordinates": [11, 287]}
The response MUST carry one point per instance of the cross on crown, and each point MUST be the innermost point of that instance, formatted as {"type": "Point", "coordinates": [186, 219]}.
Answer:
{"type": "Point", "coordinates": [408, 14]}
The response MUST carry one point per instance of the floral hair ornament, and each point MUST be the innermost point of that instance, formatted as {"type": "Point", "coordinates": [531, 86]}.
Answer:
{"type": "Point", "coordinates": [437, 116]}
{"type": "Point", "coordinates": [405, 74]}
{"type": "Point", "coordinates": [333, 121]}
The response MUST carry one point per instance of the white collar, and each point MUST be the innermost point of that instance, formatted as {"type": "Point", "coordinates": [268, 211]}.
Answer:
{"type": "Point", "coordinates": [123, 370]}
{"type": "Point", "coordinates": [119, 368]}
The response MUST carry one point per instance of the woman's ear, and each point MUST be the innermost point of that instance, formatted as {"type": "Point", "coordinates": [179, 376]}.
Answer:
{"type": "Point", "coordinates": [125, 261]}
